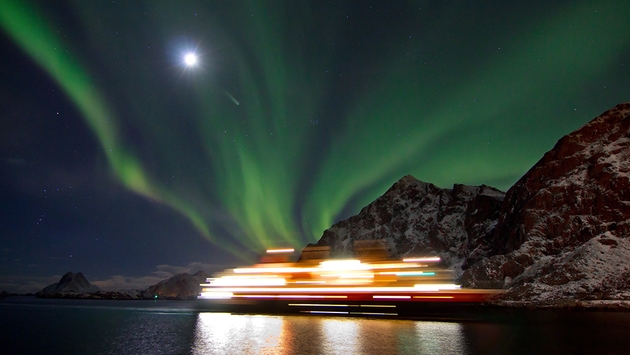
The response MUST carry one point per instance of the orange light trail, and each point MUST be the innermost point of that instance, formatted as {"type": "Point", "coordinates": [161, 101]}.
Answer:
{"type": "Point", "coordinates": [287, 296]}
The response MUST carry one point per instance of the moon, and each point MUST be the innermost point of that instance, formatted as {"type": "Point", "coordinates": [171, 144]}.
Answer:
{"type": "Point", "coordinates": [190, 59]}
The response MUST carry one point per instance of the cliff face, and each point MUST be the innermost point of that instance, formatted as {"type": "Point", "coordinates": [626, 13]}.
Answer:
{"type": "Point", "coordinates": [414, 218]}
{"type": "Point", "coordinates": [563, 227]}
{"type": "Point", "coordinates": [577, 190]}
{"type": "Point", "coordinates": [561, 232]}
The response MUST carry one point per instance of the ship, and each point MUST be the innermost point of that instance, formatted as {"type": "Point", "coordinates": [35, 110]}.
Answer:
{"type": "Point", "coordinates": [368, 285]}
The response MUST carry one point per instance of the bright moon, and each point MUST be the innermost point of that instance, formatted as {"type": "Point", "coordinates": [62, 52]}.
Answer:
{"type": "Point", "coordinates": [190, 59]}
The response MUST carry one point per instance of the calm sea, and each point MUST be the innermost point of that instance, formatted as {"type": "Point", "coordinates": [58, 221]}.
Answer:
{"type": "Point", "coordinates": [38, 326]}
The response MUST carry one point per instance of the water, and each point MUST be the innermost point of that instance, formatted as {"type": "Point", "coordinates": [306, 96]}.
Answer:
{"type": "Point", "coordinates": [38, 326]}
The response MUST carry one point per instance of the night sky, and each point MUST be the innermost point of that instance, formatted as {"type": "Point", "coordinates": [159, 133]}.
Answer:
{"type": "Point", "coordinates": [120, 161]}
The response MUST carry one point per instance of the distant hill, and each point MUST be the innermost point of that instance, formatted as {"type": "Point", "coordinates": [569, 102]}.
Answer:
{"type": "Point", "coordinates": [69, 285]}
{"type": "Point", "coordinates": [181, 286]}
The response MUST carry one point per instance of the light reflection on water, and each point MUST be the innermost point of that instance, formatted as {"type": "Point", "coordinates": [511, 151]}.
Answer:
{"type": "Point", "coordinates": [150, 333]}
{"type": "Point", "coordinates": [440, 338]}
{"type": "Point", "coordinates": [43, 326]}
{"type": "Point", "coordinates": [221, 333]}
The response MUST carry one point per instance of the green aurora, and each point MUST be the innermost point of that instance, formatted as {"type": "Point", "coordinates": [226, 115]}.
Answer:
{"type": "Point", "coordinates": [298, 116]}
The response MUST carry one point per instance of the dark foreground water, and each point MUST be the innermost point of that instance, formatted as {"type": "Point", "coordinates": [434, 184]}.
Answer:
{"type": "Point", "coordinates": [36, 326]}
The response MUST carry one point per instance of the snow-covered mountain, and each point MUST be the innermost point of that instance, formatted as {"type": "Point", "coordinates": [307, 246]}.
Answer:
{"type": "Point", "coordinates": [561, 232]}
{"type": "Point", "coordinates": [415, 218]}
{"type": "Point", "coordinates": [563, 228]}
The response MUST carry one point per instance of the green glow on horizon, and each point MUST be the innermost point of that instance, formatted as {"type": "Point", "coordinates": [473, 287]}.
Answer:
{"type": "Point", "coordinates": [257, 156]}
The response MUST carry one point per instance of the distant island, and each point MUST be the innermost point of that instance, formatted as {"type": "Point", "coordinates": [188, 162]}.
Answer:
{"type": "Point", "coordinates": [75, 285]}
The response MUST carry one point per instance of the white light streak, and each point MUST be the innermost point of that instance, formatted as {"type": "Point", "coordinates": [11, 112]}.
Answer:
{"type": "Point", "coordinates": [275, 251]}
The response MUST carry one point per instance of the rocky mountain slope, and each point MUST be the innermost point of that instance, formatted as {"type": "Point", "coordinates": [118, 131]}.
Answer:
{"type": "Point", "coordinates": [415, 218]}
{"type": "Point", "coordinates": [563, 227]}
{"type": "Point", "coordinates": [560, 233]}
{"type": "Point", "coordinates": [69, 284]}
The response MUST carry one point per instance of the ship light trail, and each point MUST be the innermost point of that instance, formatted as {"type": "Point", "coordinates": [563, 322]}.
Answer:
{"type": "Point", "coordinates": [407, 273]}
{"type": "Point", "coordinates": [435, 287]}
{"type": "Point", "coordinates": [303, 290]}
{"type": "Point", "coordinates": [249, 281]}
{"type": "Point", "coordinates": [217, 295]}
{"type": "Point", "coordinates": [321, 305]}
{"type": "Point", "coordinates": [324, 266]}
{"type": "Point", "coordinates": [351, 313]}
{"type": "Point", "coordinates": [422, 260]}
{"type": "Point", "coordinates": [341, 305]}
{"type": "Point", "coordinates": [290, 296]}
{"type": "Point", "coordinates": [341, 282]}
{"type": "Point", "coordinates": [325, 312]}
{"type": "Point", "coordinates": [340, 265]}
{"type": "Point", "coordinates": [280, 251]}
{"type": "Point", "coordinates": [314, 282]}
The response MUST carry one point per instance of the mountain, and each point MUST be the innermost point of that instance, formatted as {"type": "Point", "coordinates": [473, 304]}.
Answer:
{"type": "Point", "coordinates": [414, 218]}
{"type": "Point", "coordinates": [557, 237]}
{"type": "Point", "coordinates": [181, 286]}
{"type": "Point", "coordinates": [71, 284]}
{"type": "Point", "coordinates": [563, 228]}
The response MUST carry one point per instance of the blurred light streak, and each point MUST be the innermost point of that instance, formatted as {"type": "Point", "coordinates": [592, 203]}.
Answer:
{"type": "Point", "coordinates": [321, 305]}
{"type": "Point", "coordinates": [407, 273]}
{"type": "Point", "coordinates": [436, 287]}
{"type": "Point", "coordinates": [288, 296]}
{"type": "Point", "coordinates": [217, 295]}
{"type": "Point", "coordinates": [299, 290]}
{"type": "Point", "coordinates": [249, 281]}
{"type": "Point", "coordinates": [286, 250]}
{"type": "Point", "coordinates": [422, 260]}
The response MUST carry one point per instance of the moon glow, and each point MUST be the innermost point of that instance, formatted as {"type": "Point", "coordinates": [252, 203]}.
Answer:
{"type": "Point", "coordinates": [190, 59]}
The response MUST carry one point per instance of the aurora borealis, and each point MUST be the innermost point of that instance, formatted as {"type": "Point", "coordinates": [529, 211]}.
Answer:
{"type": "Point", "coordinates": [296, 115]}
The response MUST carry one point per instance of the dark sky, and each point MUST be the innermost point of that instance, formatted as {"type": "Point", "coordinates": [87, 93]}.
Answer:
{"type": "Point", "coordinates": [118, 160]}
